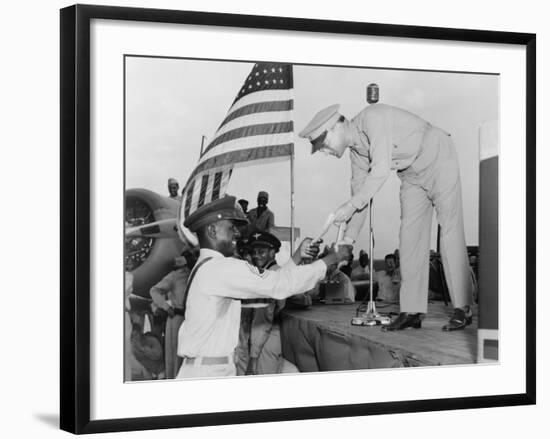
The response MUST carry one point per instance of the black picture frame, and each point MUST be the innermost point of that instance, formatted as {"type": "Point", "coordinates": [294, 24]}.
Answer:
{"type": "Point", "coordinates": [75, 217]}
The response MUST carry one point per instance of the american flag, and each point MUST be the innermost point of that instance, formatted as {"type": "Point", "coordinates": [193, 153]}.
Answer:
{"type": "Point", "coordinates": [258, 126]}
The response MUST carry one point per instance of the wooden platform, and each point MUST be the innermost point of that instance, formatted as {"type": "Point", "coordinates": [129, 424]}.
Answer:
{"type": "Point", "coordinates": [411, 347]}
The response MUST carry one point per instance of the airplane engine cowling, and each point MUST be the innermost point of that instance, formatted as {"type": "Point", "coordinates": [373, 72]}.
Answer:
{"type": "Point", "coordinates": [149, 259]}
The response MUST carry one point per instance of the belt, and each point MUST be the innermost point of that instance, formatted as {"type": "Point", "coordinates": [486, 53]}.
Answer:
{"type": "Point", "coordinates": [255, 301]}
{"type": "Point", "coordinates": [208, 361]}
{"type": "Point", "coordinates": [179, 311]}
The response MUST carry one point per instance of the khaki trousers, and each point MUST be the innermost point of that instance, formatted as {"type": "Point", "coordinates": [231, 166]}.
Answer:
{"type": "Point", "coordinates": [433, 180]}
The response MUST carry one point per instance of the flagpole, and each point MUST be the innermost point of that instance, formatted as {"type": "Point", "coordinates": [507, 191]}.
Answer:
{"type": "Point", "coordinates": [292, 201]}
{"type": "Point", "coordinates": [202, 145]}
{"type": "Point", "coordinates": [292, 237]}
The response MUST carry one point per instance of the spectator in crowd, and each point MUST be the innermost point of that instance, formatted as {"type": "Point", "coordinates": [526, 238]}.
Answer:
{"type": "Point", "coordinates": [259, 350]}
{"type": "Point", "coordinates": [173, 188]}
{"type": "Point", "coordinates": [244, 205]}
{"type": "Point", "coordinates": [347, 267]}
{"type": "Point", "coordinates": [389, 280]}
{"type": "Point", "coordinates": [209, 334]}
{"type": "Point", "coordinates": [143, 351]}
{"type": "Point", "coordinates": [133, 369]}
{"type": "Point", "coordinates": [169, 297]}
{"type": "Point", "coordinates": [261, 218]}
{"type": "Point", "coordinates": [362, 271]}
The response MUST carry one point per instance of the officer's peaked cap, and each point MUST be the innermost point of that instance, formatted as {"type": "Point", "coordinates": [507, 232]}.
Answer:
{"type": "Point", "coordinates": [316, 129]}
{"type": "Point", "coordinates": [264, 239]}
{"type": "Point", "coordinates": [225, 208]}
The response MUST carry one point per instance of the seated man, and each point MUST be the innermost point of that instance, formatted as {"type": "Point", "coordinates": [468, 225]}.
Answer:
{"type": "Point", "coordinates": [389, 281]}
{"type": "Point", "coordinates": [362, 271]}
{"type": "Point", "coordinates": [259, 349]}
{"type": "Point", "coordinates": [338, 281]}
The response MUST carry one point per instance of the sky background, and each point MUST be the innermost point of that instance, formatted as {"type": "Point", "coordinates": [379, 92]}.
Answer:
{"type": "Point", "coordinates": [172, 103]}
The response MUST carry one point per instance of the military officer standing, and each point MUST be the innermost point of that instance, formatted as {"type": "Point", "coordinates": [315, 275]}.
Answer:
{"type": "Point", "coordinates": [382, 138]}
{"type": "Point", "coordinates": [259, 350]}
{"type": "Point", "coordinates": [210, 332]}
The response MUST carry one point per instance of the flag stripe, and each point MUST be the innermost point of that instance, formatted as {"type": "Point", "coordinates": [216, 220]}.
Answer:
{"type": "Point", "coordinates": [204, 187]}
{"type": "Point", "coordinates": [207, 192]}
{"type": "Point", "coordinates": [217, 185]}
{"type": "Point", "coordinates": [259, 107]}
{"type": "Point", "coordinates": [189, 193]}
{"type": "Point", "coordinates": [250, 142]}
{"type": "Point", "coordinates": [252, 130]}
{"type": "Point", "coordinates": [254, 119]}
{"type": "Point", "coordinates": [244, 155]}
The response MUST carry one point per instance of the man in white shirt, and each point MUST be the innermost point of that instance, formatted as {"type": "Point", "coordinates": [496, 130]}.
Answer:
{"type": "Point", "coordinates": [362, 271]}
{"type": "Point", "coordinates": [382, 138]}
{"type": "Point", "coordinates": [209, 334]}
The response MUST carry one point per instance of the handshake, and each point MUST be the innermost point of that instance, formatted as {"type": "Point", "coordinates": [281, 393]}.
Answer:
{"type": "Point", "coordinates": [332, 255]}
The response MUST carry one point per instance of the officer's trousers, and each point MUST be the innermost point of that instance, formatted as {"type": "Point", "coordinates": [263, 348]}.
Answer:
{"type": "Point", "coordinates": [433, 180]}
{"type": "Point", "coordinates": [258, 339]}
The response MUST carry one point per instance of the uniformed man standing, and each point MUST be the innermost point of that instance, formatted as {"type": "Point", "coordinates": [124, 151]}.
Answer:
{"type": "Point", "coordinates": [210, 332]}
{"type": "Point", "coordinates": [261, 218]}
{"type": "Point", "coordinates": [173, 188]}
{"type": "Point", "coordinates": [259, 350]}
{"type": "Point", "coordinates": [169, 295]}
{"type": "Point", "coordinates": [382, 138]}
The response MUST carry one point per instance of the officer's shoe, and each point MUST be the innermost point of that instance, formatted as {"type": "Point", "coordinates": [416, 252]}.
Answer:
{"type": "Point", "coordinates": [404, 320]}
{"type": "Point", "coordinates": [460, 319]}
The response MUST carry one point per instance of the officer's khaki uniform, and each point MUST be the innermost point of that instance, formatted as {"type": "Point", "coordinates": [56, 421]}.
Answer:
{"type": "Point", "coordinates": [387, 138]}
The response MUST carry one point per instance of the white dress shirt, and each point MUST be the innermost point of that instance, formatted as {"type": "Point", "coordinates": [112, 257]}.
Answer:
{"type": "Point", "coordinates": [212, 317]}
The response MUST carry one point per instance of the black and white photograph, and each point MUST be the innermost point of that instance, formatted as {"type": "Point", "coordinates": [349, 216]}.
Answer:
{"type": "Point", "coordinates": [275, 219]}
{"type": "Point", "coordinates": [272, 219]}
{"type": "Point", "coordinates": [299, 218]}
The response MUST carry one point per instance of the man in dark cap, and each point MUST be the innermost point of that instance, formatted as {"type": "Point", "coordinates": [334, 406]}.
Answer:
{"type": "Point", "coordinates": [210, 332]}
{"type": "Point", "coordinates": [244, 205]}
{"type": "Point", "coordinates": [261, 218]}
{"type": "Point", "coordinates": [382, 138]}
{"type": "Point", "coordinates": [259, 350]}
